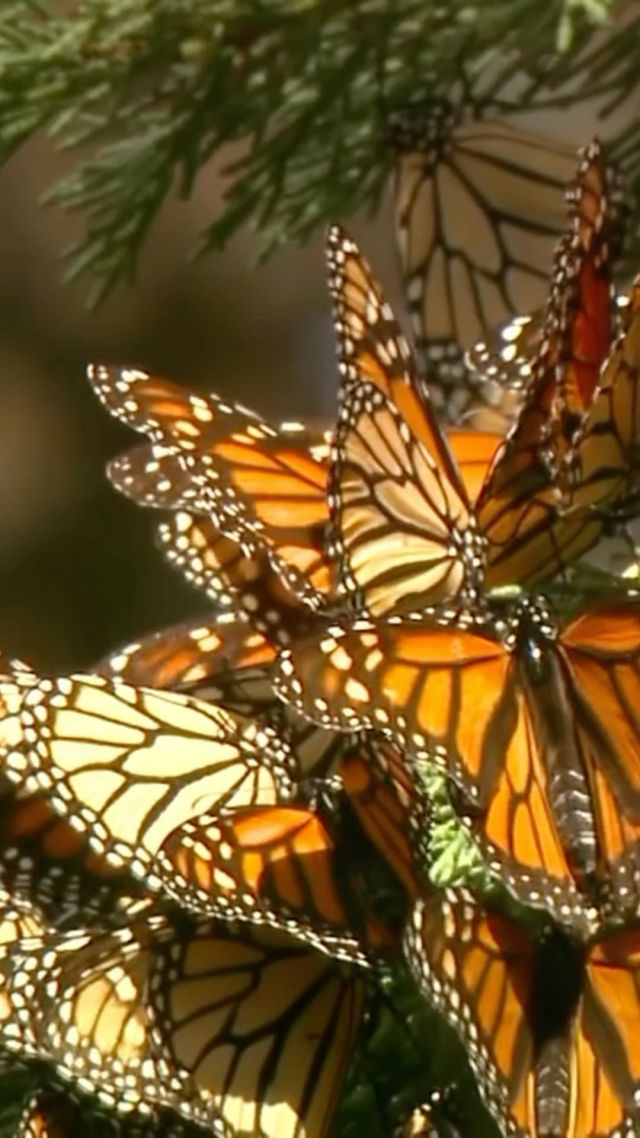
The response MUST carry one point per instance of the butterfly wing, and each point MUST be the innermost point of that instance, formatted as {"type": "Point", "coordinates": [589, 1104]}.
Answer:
{"type": "Point", "coordinates": [222, 660]}
{"type": "Point", "coordinates": [188, 654]}
{"type": "Point", "coordinates": [607, 1065]}
{"type": "Point", "coordinates": [450, 696]}
{"type": "Point", "coordinates": [477, 969]}
{"type": "Point", "coordinates": [399, 512]}
{"type": "Point", "coordinates": [303, 866]}
{"type": "Point", "coordinates": [48, 863]}
{"type": "Point", "coordinates": [127, 765]}
{"type": "Point", "coordinates": [264, 486]}
{"type": "Point", "coordinates": [503, 362]}
{"type": "Point", "coordinates": [602, 461]}
{"type": "Point", "coordinates": [478, 206]}
{"type": "Point", "coordinates": [285, 866]}
{"type": "Point", "coordinates": [473, 452]}
{"type": "Point", "coordinates": [387, 801]}
{"type": "Point", "coordinates": [236, 1031]}
{"type": "Point", "coordinates": [233, 580]}
{"type": "Point", "coordinates": [532, 529]}
{"type": "Point", "coordinates": [211, 561]}
{"type": "Point", "coordinates": [601, 655]}
{"type": "Point", "coordinates": [44, 861]}
{"type": "Point", "coordinates": [264, 1026]}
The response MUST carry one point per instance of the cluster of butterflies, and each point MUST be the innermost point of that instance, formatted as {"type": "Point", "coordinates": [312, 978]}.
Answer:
{"type": "Point", "coordinates": [216, 843]}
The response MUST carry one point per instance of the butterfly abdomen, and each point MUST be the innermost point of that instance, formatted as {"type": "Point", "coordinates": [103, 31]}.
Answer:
{"type": "Point", "coordinates": [554, 995]}
{"type": "Point", "coordinates": [568, 784]}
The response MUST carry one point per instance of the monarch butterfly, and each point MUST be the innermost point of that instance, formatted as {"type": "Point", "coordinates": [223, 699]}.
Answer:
{"type": "Point", "coordinates": [537, 724]}
{"type": "Point", "coordinates": [264, 487]}
{"type": "Point", "coordinates": [211, 561]}
{"type": "Point", "coordinates": [478, 205]}
{"type": "Point", "coordinates": [234, 1031]}
{"type": "Point", "coordinates": [550, 1026]}
{"type": "Point", "coordinates": [140, 762]}
{"type": "Point", "coordinates": [403, 528]}
{"type": "Point", "coordinates": [222, 660]}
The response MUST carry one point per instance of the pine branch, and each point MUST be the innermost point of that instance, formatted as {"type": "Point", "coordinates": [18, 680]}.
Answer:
{"type": "Point", "coordinates": [153, 91]}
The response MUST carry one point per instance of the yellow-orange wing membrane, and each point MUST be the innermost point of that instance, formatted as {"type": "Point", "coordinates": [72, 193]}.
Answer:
{"type": "Point", "coordinates": [235, 1031]}
{"type": "Point", "coordinates": [401, 521]}
{"type": "Point", "coordinates": [452, 696]}
{"type": "Point", "coordinates": [532, 509]}
{"type": "Point", "coordinates": [128, 765]}
{"type": "Point", "coordinates": [550, 1028]}
{"type": "Point", "coordinates": [263, 485]}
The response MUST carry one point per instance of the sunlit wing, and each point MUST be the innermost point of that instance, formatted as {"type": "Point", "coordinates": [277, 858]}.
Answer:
{"type": "Point", "coordinates": [44, 861]}
{"type": "Point", "coordinates": [530, 508]}
{"type": "Point", "coordinates": [280, 865]}
{"type": "Point", "coordinates": [240, 574]}
{"type": "Point", "coordinates": [222, 660]}
{"type": "Point", "coordinates": [401, 523]}
{"type": "Point", "coordinates": [262, 484]}
{"type": "Point", "coordinates": [239, 1032]}
{"type": "Point", "coordinates": [127, 765]}
{"type": "Point", "coordinates": [212, 562]}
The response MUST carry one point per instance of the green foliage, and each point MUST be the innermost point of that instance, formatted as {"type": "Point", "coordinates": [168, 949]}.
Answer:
{"type": "Point", "coordinates": [407, 1054]}
{"type": "Point", "coordinates": [146, 93]}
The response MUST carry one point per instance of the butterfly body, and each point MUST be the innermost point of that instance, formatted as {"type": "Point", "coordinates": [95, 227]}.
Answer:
{"type": "Point", "coordinates": [511, 709]}
{"type": "Point", "coordinates": [549, 1023]}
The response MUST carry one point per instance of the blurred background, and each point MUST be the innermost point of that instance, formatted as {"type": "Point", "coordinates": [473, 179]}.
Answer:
{"type": "Point", "coordinates": [79, 573]}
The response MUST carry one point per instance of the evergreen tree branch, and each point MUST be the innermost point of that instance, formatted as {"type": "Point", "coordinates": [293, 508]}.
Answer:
{"type": "Point", "coordinates": [146, 93]}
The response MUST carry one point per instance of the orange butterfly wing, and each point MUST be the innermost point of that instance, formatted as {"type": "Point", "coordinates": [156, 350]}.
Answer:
{"type": "Point", "coordinates": [263, 485]}
{"type": "Point", "coordinates": [451, 696]}
{"type": "Point", "coordinates": [473, 451]}
{"type": "Point", "coordinates": [279, 866]}
{"type": "Point", "coordinates": [187, 654]}
{"type": "Point", "coordinates": [604, 453]}
{"type": "Point", "coordinates": [478, 968]}
{"type": "Point", "coordinates": [210, 560]}
{"type": "Point", "coordinates": [606, 1091]}
{"type": "Point", "coordinates": [601, 651]}
{"type": "Point", "coordinates": [527, 511]}
{"type": "Point", "coordinates": [383, 792]}
{"type": "Point", "coordinates": [400, 516]}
